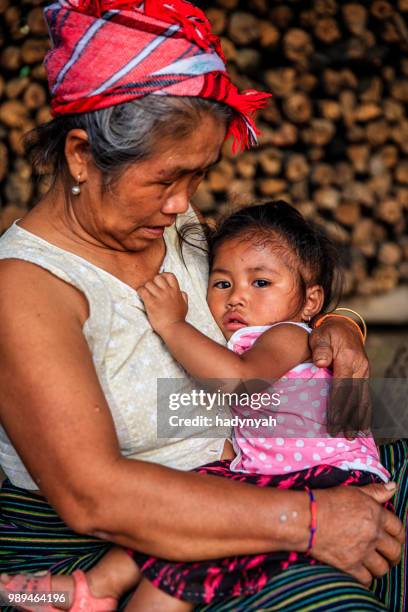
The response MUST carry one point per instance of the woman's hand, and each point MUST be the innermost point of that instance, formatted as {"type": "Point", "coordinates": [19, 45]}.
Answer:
{"type": "Point", "coordinates": [356, 533]}
{"type": "Point", "coordinates": [166, 305]}
{"type": "Point", "coordinates": [335, 342]}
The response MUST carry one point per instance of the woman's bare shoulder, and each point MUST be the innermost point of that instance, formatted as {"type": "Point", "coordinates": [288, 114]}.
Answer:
{"type": "Point", "coordinates": [25, 285]}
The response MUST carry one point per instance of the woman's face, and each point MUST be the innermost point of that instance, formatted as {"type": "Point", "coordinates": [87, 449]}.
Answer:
{"type": "Point", "coordinates": [133, 213]}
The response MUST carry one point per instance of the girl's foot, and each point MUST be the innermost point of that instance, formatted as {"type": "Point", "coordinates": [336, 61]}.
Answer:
{"type": "Point", "coordinates": [115, 574]}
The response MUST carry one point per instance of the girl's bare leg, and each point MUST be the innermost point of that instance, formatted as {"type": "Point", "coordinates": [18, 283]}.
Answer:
{"type": "Point", "coordinates": [114, 575]}
{"type": "Point", "coordinates": [147, 597]}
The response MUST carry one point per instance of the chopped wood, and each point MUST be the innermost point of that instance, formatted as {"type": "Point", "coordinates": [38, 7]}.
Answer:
{"type": "Point", "coordinates": [248, 60]}
{"type": "Point", "coordinates": [334, 137]}
{"type": "Point", "coordinates": [389, 253]}
{"type": "Point", "coordinates": [15, 87]}
{"type": "Point", "coordinates": [359, 156]}
{"type": "Point", "coordinates": [281, 16]}
{"type": "Point", "coordinates": [297, 167]}
{"type": "Point", "coordinates": [299, 190]}
{"type": "Point", "coordinates": [378, 133]}
{"type": "Point", "coordinates": [330, 109]}
{"type": "Point", "coordinates": [246, 165]}
{"type": "Point", "coordinates": [3, 160]}
{"type": "Point", "coordinates": [13, 113]}
{"type": "Point", "coordinates": [285, 136]}
{"type": "Point", "coordinates": [347, 213]}
{"type": "Point", "coordinates": [323, 174]}
{"type": "Point", "coordinates": [367, 112]}
{"type": "Point", "coordinates": [272, 186]}
{"type": "Point", "coordinates": [269, 35]}
{"type": "Point", "coordinates": [327, 30]}
{"type": "Point", "coordinates": [228, 4]}
{"type": "Point", "coordinates": [401, 172]}
{"type": "Point", "coordinates": [243, 28]}
{"type": "Point", "coordinates": [36, 22]}
{"type": "Point", "coordinates": [399, 90]}
{"type": "Point", "coordinates": [281, 82]}
{"type": "Point", "coordinates": [241, 192]}
{"type": "Point", "coordinates": [297, 45]}
{"type": "Point", "coordinates": [204, 198]}
{"type": "Point", "coordinates": [35, 96]}
{"type": "Point", "coordinates": [11, 58]}
{"type": "Point", "coordinates": [389, 211]}
{"type": "Point", "coordinates": [270, 160]}
{"type": "Point", "coordinates": [298, 108]}
{"type": "Point", "coordinates": [374, 92]}
{"type": "Point", "coordinates": [381, 9]}
{"type": "Point", "coordinates": [355, 16]}
{"type": "Point", "coordinates": [218, 20]}
{"type": "Point", "coordinates": [33, 50]}
{"type": "Point", "coordinates": [319, 133]}
{"type": "Point", "coordinates": [327, 197]}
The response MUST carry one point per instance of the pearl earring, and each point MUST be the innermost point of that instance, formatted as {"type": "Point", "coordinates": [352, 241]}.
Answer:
{"type": "Point", "coordinates": [76, 189]}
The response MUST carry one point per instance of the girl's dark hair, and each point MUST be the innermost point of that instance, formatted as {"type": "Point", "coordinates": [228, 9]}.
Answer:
{"type": "Point", "coordinates": [304, 245]}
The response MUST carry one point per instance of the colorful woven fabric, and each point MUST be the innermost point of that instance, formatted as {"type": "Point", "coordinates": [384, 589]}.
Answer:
{"type": "Point", "coordinates": [33, 538]}
{"type": "Point", "coordinates": [106, 52]}
{"type": "Point", "coordinates": [217, 580]}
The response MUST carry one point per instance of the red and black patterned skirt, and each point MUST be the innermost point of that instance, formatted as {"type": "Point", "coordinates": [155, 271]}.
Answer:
{"type": "Point", "coordinates": [208, 581]}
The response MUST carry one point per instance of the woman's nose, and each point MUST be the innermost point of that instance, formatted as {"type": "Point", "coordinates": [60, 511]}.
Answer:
{"type": "Point", "coordinates": [176, 203]}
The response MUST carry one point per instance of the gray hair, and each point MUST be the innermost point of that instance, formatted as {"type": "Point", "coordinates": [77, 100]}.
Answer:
{"type": "Point", "coordinates": [121, 135]}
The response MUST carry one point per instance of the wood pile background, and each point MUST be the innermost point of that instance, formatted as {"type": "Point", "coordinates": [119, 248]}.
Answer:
{"type": "Point", "coordinates": [334, 138]}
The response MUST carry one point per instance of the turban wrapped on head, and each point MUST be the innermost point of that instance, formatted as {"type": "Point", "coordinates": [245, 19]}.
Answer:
{"type": "Point", "coordinates": [106, 52]}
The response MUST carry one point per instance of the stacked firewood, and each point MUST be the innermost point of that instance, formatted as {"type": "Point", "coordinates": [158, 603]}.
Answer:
{"type": "Point", "coordinates": [334, 137]}
{"type": "Point", "coordinates": [23, 101]}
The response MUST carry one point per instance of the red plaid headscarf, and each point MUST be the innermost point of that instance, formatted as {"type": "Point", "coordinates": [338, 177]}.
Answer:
{"type": "Point", "coordinates": [106, 52]}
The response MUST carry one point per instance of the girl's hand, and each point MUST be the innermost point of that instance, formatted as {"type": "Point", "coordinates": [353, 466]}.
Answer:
{"type": "Point", "coordinates": [166, 305]}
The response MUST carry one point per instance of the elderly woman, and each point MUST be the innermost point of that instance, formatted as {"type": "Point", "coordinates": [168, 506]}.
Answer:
{"type": "Point", "coordinates": [143, 105]}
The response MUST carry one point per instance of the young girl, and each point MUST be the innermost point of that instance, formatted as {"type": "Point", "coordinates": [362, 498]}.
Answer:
{"type": "Point", "coordinates": [271, 272]}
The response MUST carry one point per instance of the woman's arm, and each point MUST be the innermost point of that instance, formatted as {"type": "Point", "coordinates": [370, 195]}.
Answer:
{"type": "Point", "coordinates": [274, 353]}
{"type": "Point", "coordinates": [54, 411]}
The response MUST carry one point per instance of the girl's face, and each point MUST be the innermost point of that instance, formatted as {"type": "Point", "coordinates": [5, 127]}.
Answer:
{"type": "Point", "coordinates": [250, 284]}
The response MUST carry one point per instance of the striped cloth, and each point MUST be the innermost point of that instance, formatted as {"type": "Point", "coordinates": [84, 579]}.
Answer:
{"type": "Point", "coordinates": [106, 52]}
{"type": "Point", "coordinates": [33, 538]}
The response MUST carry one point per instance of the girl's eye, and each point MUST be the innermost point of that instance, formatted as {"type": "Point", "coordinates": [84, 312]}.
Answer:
{"type": "Point", "coordinates": [261, 282]}
{"type": "Point", "coordinates": [166, 183]}
{"type": "Point", "coordinates": [222, 285]}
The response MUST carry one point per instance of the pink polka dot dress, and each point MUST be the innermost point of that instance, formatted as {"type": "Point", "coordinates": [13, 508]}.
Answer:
{"type": "Point", "coordinates": [298, 438]}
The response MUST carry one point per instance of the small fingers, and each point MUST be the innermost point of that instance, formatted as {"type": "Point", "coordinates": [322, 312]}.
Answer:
{"type": "Point", "coordinates": [170, 279]}
{"type": "Point", "coordinates": [149, 289]}
{"type": "Point", "coordinates": [161, 281]}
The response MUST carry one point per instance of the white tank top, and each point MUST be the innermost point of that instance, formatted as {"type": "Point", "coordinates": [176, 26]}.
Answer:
{"type": "Point", "coordinates": [128, 355]}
